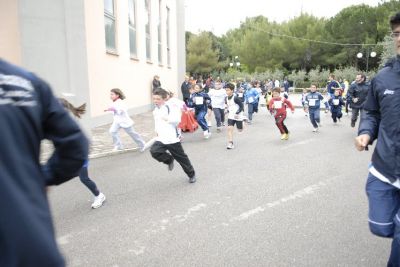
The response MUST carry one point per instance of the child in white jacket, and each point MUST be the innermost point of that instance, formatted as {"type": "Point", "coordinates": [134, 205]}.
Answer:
{"type": "Point", "coordinates": [122, 120]}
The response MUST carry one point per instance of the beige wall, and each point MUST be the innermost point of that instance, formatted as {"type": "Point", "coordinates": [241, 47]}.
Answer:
{"type": "Point", "coordinates": [134, 77]}
{"type": "Point", "coordinates": [10, 48]}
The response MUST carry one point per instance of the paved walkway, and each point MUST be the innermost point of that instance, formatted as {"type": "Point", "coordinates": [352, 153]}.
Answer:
{"type": "Point", "coordinates": [102, 142]}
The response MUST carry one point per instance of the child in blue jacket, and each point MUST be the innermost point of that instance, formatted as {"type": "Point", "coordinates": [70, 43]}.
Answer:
{"type": "Point", "coordinates": [200, 101]}
{"type": "Point", "coordinates": [336, 103]}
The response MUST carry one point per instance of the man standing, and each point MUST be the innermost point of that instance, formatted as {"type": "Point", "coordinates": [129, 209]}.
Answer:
{"type": "Point", "coordinates": [156, 83]}
{"type": "Point", "coordinates": [357, 95]}
{"type": "Point", "coordinates": [185, 87]}
{"type": "Point", "coordinates": [286, 85]}
{"type": "Point", "coordinates": [381, 122]}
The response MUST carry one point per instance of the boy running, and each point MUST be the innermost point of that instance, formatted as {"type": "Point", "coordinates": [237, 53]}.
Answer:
{"type": "Point", "coordinates": [336, 103]}
{"type": "Point", "coordinates": [277, 107]}
{"type": "Point", "coordinates": [200, 101]}
{"type": "Point", "coordinates": [166, 120]}
{"type": "Point", "coordinates": [235, 113]}
{"type": "Point", "coordinates": [312, 105]}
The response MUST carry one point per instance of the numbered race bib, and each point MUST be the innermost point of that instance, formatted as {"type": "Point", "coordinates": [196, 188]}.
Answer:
{"type": "Point", "coordinates": [198, 100]}
{"type": "Point", "coordinates": [250, 99]}
{"type": "Point", "coordinates": [240, 95]}
{"type": "Point", "coordinates": [335, 102]}
{"type": "Point", "coordinates": [277, 104]}
{"type": "Point", "coordinates": [312, 102]}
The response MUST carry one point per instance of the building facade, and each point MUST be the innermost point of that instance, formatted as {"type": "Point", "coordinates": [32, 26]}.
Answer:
{"type": "Point", "coordinates": [84, 48]}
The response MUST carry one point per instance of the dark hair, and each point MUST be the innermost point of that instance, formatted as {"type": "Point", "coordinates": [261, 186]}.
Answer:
{"type": "Point", "coordinates": [230, 86]}
{"type": "Point", "coordinates": [362, 76]}
{"type": "Point", "coordinates": [77, 111]}
{"type": "Point", "coordinates": [395, 21]}
{"type": "Point", "coordinates": [119, 93]}
{"type": "Point", "coordinates": [332, 75]}
{"type": "Point", "coordinates": [277, 89]}
{"type": "Point", "coordinates": [161, 92]}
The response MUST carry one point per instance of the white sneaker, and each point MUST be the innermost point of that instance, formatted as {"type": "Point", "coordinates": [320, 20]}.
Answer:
{"type": "Point", "coordinates": [117, 148]}
{"type": "Point", "coordinates": [230, 146]}
{"type": "Point", "coordinates": [207, 135]}
{"type": "Point", "coordinates": [98, 201]}
{"type": "Point", "coordinates": [315, 130]}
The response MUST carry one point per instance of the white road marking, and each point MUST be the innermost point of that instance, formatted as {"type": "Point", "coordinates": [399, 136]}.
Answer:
{"type": "Point", "coordinates": [309, 190]}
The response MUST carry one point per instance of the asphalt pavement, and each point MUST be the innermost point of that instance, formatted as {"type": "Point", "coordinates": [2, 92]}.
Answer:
{"type": "Point", "coordinates": [268, 202]}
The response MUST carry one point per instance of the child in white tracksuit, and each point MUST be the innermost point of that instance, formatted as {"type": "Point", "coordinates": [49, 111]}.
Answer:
{"type": "Point", "coordinates": [122, 120]}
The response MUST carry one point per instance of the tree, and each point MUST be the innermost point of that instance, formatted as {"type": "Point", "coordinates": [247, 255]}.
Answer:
{"type": "Point", "coordinates": [201, 58]}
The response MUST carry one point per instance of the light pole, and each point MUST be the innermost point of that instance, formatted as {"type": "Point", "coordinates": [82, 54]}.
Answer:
{"type": "Point", "coordinates": [235, 62]}
{"type": "Point", "coordinates": [369, 54]}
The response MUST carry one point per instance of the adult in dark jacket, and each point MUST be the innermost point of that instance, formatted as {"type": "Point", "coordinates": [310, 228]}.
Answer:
{"type": "Point", "coordinates": [381, 122]}
{"type": "Point", "coordinates": [357, 94]}
{"type": "Point", "coordinates": [185, 89]}
{"type": "Point", "coordinates": [30, 113]}
{"type": "Point", "coordinates": [155, 83]}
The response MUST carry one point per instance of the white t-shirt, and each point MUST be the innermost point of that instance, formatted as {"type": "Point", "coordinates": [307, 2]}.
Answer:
{"type": "Point", "coordinates": [233, 108]}
{"type": "Point", "coordinates": [217, 98]}
{"type": "Point", "coordinates": [166, 120]}
{"type": "Point", "coordinates": [121, 116]}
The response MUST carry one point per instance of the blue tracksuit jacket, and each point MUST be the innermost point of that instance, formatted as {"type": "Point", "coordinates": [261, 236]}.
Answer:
{"type": "Point", "coordinates": [382, 119]}
{"type": "Point", "coordinates": [30, 113]}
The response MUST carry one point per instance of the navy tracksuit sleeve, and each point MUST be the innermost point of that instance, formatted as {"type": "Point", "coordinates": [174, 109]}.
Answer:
{"type": "Point", "coordinates": [370, 123]}
{"type": "Point", "coordinates": [240, 104]}
{"type": "Point", "coordinates": [71, 146]}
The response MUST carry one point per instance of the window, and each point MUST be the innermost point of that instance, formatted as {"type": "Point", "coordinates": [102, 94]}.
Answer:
{"type": "Point", "coordinates": [132, 28]}
{"type": "Point", "coordinates": [160, 59]}
{"type": "Point", "coordinates": [168, 39]}
{"type": "Point", "coordinates": [148, 29]}
{"type": "Point", "coordinates": [109, 25]}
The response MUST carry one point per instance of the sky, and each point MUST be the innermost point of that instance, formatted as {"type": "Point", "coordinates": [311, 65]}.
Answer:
{"type": "Point", "coordinates": [218, 16]}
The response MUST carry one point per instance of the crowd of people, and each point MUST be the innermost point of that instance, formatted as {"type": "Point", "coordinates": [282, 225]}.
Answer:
{"type": "Point", "coordinates": [29, 113]}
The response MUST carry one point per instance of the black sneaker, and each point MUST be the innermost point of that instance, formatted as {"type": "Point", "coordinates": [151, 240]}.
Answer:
{"type": "Point", "coordinates": [353, 124]}
{"type": "Point", "coordinates": [171, 166]}
{"type": "Point", "coordinates": [192, 179]}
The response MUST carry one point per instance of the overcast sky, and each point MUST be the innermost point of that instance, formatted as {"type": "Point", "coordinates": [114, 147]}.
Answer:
{"type": "Point", "coordinates": [219, 16]}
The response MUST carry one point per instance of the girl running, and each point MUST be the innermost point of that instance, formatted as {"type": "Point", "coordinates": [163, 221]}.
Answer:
{"type": "Point", "coordinates": [122, 120]}
{"type": "Point", "coordinates": [99, 197]}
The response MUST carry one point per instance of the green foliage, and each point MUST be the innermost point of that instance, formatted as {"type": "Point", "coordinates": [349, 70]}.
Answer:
{"type": "Point", "coordinates": [269, 50]}
{"type": "Point", "coordinates": [201, 57]}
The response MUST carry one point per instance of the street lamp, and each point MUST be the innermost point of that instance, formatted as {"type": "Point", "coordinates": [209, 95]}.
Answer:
{"type": "Point", "coordinates": [235, 62]}
{"type": "Point", "coordinates": [368, 55]}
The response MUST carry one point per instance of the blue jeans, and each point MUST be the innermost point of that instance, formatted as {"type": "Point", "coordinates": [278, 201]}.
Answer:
{"type": "Point", "coordinates": [201, 119]}
{"type": "Point", "coordinates": [384, 214]}
{"type": "Point", "coordinates": [250, 107]}
{"type": "Point", "coordinates": [130, 131]}
{"type": "Point", "coordinates": [219, 116]}
{"type": "Point", "coordinates": [314, 116]}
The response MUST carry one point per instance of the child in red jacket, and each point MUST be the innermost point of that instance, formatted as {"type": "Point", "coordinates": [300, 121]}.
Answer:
{"type": "Point", "coordinates": [277, 107]}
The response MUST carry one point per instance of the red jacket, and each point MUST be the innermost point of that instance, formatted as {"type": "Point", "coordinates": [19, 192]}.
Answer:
{"type": "Point", "coordinates": [279, 105]}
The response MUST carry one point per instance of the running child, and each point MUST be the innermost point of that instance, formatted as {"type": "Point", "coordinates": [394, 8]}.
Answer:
{"type": "Point", "coordinates": [277, 107]}
{"type": "Point", "coordinates": [336, 103]}
{"type": "Point", "coordinates": [200, 101]}
{"type": "Point", "coordinates": [122, 120]}
{"type": "Point", "coordinates": [312, 105]}
{"type": "Point", "coordinates": [99, 197]}
{"type": "Point", "coordinates": [166, 120]}
{"type": "Point", "coordinates": [218, 97]}
{"type": "Point", "coordinates": [251, 97]}
{"type": "Point", "coordinates": [235, 113]}
{"type": "Point", "coordinates": [303, 100]}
